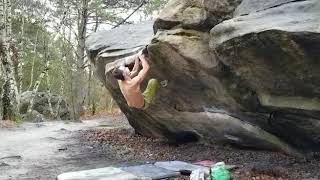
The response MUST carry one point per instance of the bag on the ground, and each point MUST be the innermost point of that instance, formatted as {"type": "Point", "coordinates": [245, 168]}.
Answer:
{"type": "Point", "coordinates": [219, 172]}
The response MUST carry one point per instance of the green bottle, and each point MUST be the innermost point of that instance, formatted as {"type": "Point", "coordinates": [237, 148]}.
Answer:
{"type": "Point", "coordinates": [219, 172]}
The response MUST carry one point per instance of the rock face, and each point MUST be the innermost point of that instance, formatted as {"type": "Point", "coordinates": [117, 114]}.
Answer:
{"type": "Point", "coordinates": [34, 116]}
{"type": "Point", "coordinates": [247, 73]}
{"type": "Point", "coordinates": [41, 109]}
{"type": "Point", "coordinates": [113, 47]}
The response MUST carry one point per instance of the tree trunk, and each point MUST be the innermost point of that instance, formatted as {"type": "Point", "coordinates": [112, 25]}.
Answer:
{"type": "Point", "coordinates": [90, 99]}
{"type": "Point", "coordinates": [96, 18]}
{"type": "Point", "coordinates": [10, 90]}
{"type": "Point", "coordinates": [89, 86]}
{"type": "Point", "coordinates": [62, 84]}
{"type": "Point", "coordinates": [80, 92]}
{"type": "Point", "coordinates": [41, 76]}
{"type": "Point", "coordinates": [36, 86]}
{"type": "Point", "coordinates": [69, 61]}
{"type": "Point", "coordinates": [57, 112]}
{"type": "Point", "coordinates": [49, 94]}
{"type": "Point", "coordinates": [20, 57]}
{"type": "Point", "coordinates": [2, 80]}
{"type": "Point", "coordinates": [33, 62]}
{"type": "Point", "coordinates": [110, 109]}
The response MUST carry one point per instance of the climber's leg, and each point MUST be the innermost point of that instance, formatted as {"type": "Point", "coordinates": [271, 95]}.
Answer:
{"type": "Point", "coordinates": [150, 92]}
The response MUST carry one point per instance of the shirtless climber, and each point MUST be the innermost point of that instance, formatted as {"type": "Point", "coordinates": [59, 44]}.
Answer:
{"type": "Point", "coordinates": [130, 84]}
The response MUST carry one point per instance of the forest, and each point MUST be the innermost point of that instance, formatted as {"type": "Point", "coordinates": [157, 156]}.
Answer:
{"type": "Point", "coordinates": [159, 89]}
{"type": "Point", "coordinates": [44, 66]}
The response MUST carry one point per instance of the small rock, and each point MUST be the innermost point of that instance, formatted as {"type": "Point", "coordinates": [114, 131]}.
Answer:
{"type": "Point", "coordinates": [62, 149]}
{"type": "Point", "coordinates": [4, 164]}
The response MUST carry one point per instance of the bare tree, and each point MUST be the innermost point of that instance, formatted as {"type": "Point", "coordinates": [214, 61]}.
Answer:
{"type": "Point", "coordinates": [20, 55]}
{"type": "Point", "coordinates": [10, 100]}
{"type": "Point", "coordinates": [80, 92]}
{"type": "Point", "coordinates": [41, 76]}
{"type": "Point", "coordinates": [49, 93]}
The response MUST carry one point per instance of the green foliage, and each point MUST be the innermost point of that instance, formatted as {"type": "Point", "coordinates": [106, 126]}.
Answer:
{"type": "Point", "coordinates": [154, 5]}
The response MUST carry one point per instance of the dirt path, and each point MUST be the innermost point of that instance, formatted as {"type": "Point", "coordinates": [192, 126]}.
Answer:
{"type": "Point", "coordinates": [32, 152]}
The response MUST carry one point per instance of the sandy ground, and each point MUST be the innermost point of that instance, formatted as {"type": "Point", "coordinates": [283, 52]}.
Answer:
{"type": "Point", "coordinates": [43, 151]}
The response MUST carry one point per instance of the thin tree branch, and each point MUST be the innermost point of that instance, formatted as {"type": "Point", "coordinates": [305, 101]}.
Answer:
{"type": "Point", "coordinates": [123, 21]}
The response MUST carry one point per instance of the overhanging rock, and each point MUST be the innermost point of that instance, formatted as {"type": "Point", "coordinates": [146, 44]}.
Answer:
{"type": "Point", "coordinates": [112, 47]}
{"type": "Point", "coordinates": [252, 80]}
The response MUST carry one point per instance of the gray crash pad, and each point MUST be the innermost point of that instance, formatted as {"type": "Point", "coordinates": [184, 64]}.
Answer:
{"type": "Point", "coordinates": [179, 166]}
{"type": "Point", "coordinates": [149, 171]}
{"type": "Point", "coordinates": [108, 173]}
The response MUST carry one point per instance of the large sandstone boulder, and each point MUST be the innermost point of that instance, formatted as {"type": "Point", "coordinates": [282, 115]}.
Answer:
{"type": "Point", "coordinates": [272, 46]}
{"type": "Point", "coordinates": [245, 72]}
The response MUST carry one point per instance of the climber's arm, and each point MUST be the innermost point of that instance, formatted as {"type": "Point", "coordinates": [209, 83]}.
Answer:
{"type": "Point", "coordinates": [135, 68]}
{"type": "Point", "coordinates": [145, 69]}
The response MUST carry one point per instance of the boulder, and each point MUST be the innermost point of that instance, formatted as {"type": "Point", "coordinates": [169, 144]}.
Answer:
{"type": "Point", "coordinates": [34, 116]}
{"type": "Point", "coordinates": [195, 14]}
{"type": "Point", "coordinates": [275, 53]}
{"type": "Point", "coordinates": [41, 106]}
{"type": "Point", "coordinates": [242, 73]}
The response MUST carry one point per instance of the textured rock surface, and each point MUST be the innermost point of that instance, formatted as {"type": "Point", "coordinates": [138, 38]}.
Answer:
{"type": "Point", "coordinates": [41, 106]}
{"type": "Point", "coordinates": [275, 53]}
{"type": "Point", "coordinates": [244, 73]}
{"type": "Point", "coordinates": [113, 47]}
{"type": "Point", "coordinates": [34, 116]}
